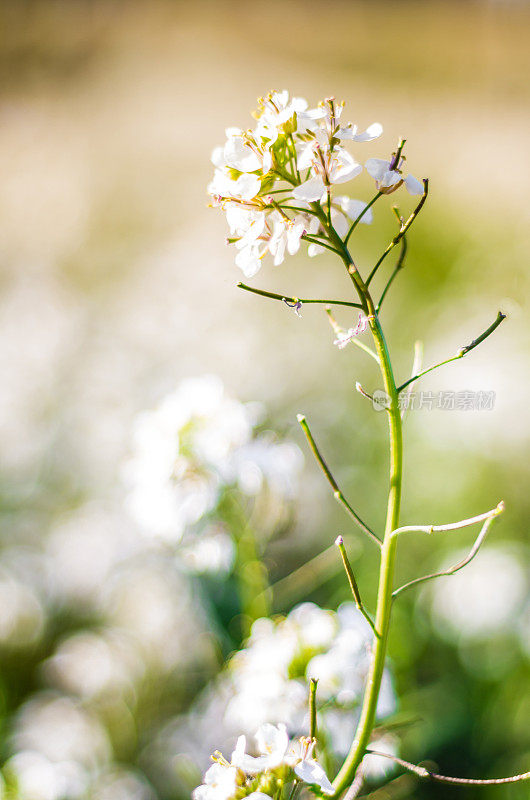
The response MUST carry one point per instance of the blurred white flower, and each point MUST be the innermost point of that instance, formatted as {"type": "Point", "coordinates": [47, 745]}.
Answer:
{"type": "Point", "coordinates": [88, 664]}
{"type": "Point", "coordinates": [211, 550]}
{"type": "Point", "coordinates": [22, 615]}
{"type": "Point", "coordinates": [38, 778]}
{"type": "Point", "coordinates": [198, 441]}
{"type": "Point", "coordinates": [119, 784]}
{"type": "Point", "coordinates": [266, 682]}
{"type": "Point", "coordinates": [483, 599]}
{"type": "Point", "coordinates": [378, 767]}
{"type": "Point", "coordinates": [61, 731]}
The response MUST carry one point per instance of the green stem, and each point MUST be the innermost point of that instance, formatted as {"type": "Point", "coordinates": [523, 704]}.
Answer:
{"type": "Point", "coordinates": [359, 218]}
{"type": "Point", "coordinates": [402, 231]}
{"type": "Point", "coordinates": [303, 300]}
{"type": "Point", "coordinates": [365, 726]}
{"type": "Point", "coordinates": [313, 708]}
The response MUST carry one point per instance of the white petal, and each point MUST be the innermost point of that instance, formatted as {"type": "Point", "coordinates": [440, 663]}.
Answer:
{"type": "Point", "coordinates": [306, 157]}
{"type": "Point", "coordinates": [314, 225]}
{"type": "Point", "coordinates": [299, 104]}
{"type": "Point", "coordinates": [390, 178]}
{"type": "Point", "coordinates": [272, 738]}
{"type": "Point", "coordinates": [340, 223]}
{"type": "Point", "coordinates": [353, 209]}
{"type": "Point", "coordinates": [247, 186]}
{"type": "Point", "coordinates": [218, 157]}
{"type": "Point", "coordinates": [413, 185]}
{"type": "Point", "coordinates": [344, 174]}
{"type": "Point", "coordinates": [348, 132]}
{"type": "Point", "coordinates": [374, 131]}
{"type": "Point", "coordinates": [314, 250]}
{"type": "Point", "coordinates": [310, 190]}
{"type": "Point", "coordinates": [311, 772]}
{"type": "Point", "coordinates": [280, 252]}
{"type": "Point", "coordinates": [294, 234]}
{"type": "Point", "coordinates": [248, 261]}
{"type": "Point", "coordinates": [258, 796]}
{"type": "Point", "coordinates": [376, 167]}
{"type": "Point", "coordinates": [344, 167]}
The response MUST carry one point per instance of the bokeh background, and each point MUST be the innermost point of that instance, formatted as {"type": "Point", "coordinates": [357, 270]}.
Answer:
{"type": "Point", "coordinates": [116, 285]}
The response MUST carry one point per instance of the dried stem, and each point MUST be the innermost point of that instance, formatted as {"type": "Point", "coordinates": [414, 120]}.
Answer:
{"type": "Point", "coordinates": [456, 567]}
{"type": "Point", "coordinates": [422, 772]}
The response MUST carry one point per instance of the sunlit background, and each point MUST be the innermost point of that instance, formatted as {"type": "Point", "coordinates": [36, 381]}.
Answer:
{"type": "Point", "coordinates": [119, 601]}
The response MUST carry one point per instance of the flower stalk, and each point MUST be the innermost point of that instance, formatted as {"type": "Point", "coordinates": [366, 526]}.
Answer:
{"type": "Point", "coordinates": [299, 155]}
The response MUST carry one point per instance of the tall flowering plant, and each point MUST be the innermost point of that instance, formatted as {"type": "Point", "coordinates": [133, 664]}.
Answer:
{"type": "Point", "coordinates": [277, 184]}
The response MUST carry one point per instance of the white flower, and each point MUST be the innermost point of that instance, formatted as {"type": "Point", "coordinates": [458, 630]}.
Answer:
{"type": "Point", "coordinates": [373, 131]}
{"type": "Point", "coordinates": [245, 187]}
{"type": "Point", "coordinates": [238, 153]}
{"type": "Point", "coordinates": [300, 757]}
{"type": "Point", "coordinates": [276, 109]}
{"type": "Point", "coordinates": [220, 783]}
{"type": "Point", "coordinates": [354, 208]}
{"type": "Point", "coordinates": [272, 742]}
{"type": "Point", "coordinates": [388, 177]}
{"type": "Point", "coordinates": [286, 234]}
{"type": "Point", "coordinates": [344, 337]}
{"type": "Point", "coordinates": [327, 168]}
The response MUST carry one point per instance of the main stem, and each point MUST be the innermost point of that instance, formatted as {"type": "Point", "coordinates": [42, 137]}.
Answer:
{"type": "Point", "coordinates": [388, 549]}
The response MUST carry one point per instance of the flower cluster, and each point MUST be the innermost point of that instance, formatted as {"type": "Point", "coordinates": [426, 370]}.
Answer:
{"type": "Point", "coordinates": [266, 682]}
{"type": "Point", "coordinates": [279, 762]}
{"type": "Point", "coordinates": [189, 449]}
{"type": "Point", "coordinates": [275, 182]}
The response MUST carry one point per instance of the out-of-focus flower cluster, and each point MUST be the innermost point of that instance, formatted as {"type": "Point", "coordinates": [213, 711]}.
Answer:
{"type": "Point", "coordinates": [267, 682]}
{"type": "Point", "coordinates": [276, 181]}
{"type": "Point", "coordinates": [111, 612]}
{"type": "Point", "coordinates": [195, 445]}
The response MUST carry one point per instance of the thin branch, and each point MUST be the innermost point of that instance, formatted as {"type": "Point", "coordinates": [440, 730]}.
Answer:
{"type": "Point", "coordinates": [456, 567]}
{"type": "Point", "coordinates": [400, 263]}
{"type": "Point", "coordinates": [422, 772]}
{"type": "Point", "coordinates": [402, 231]}
{"type": "Point", "coordinates": [339, 541]}
{"type": "Point", "coordinates": [461, 353]}
{"type": "Point", "coordinates": [333, 483]}
{"type": "Point", "coordinates": [294, 300]}
{"type": "Point", "coordinates": [361, 215]}
{"type": "Point", "coordinates": [307, 238]}
{"type": "Point", "coordinates": [313, 708]}
{"type": "Point", "coordinates": [356, 786]}
{"type": "Point", "coordinates": [416, 367]}
{"type": "Point", "coordinates": [451, 526]}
